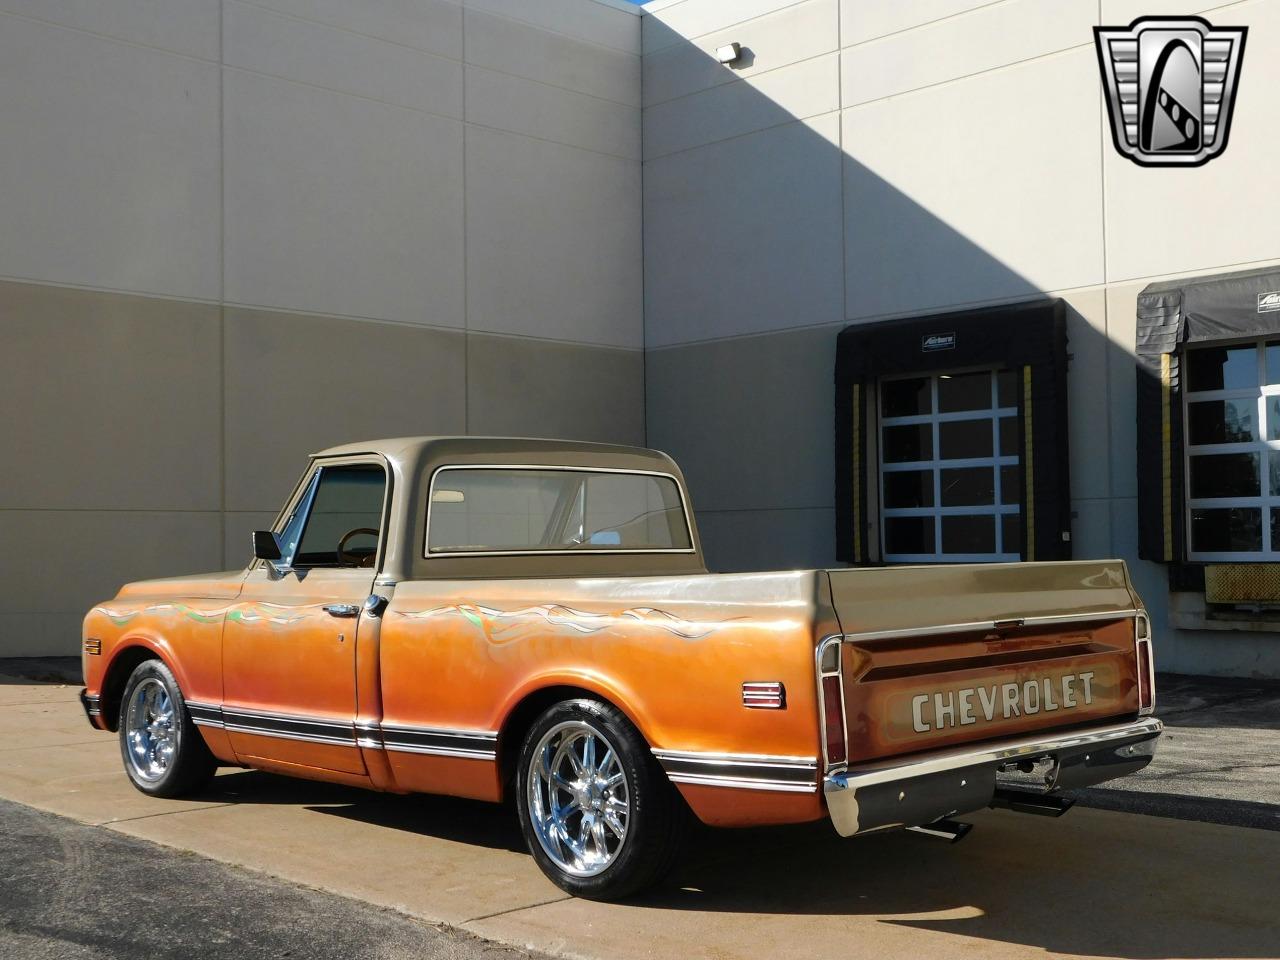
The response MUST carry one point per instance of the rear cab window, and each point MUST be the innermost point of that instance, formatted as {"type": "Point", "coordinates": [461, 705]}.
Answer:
{"type": "Point", "coordinates": [476, 511]}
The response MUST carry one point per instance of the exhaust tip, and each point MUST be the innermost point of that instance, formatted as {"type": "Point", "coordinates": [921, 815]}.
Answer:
{"type": "Point", "coordinates": [953, 831]}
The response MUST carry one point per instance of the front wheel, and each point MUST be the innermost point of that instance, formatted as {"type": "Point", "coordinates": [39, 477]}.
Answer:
{"type": "Point", "coordinates": [599, 816]}
{"type": "Point", "coordinates": [164, 754]}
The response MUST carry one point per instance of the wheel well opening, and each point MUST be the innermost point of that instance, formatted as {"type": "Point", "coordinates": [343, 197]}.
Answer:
{"type": "Point", "coordinates": [117, 676]}
{"type": "Point", "coordinates": [519, 720]}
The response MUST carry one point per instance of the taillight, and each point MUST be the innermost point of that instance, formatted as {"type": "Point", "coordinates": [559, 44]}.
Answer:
{"type": "Point", "coordinates": [831, 689]}
{"type": "Point", "coordinates": [834, 720]}
{"type": "Point", "coordinates": [1146, 666]}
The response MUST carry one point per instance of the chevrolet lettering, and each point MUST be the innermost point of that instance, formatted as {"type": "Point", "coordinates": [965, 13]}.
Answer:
{"type": "Point", "coordinates": [1000, 700]}
{"type": "Point", "coordinates": [532, 620]}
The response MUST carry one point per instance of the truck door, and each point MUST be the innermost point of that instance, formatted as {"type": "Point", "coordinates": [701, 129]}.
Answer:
{"type": "Point", "coordinates": [289, 647]}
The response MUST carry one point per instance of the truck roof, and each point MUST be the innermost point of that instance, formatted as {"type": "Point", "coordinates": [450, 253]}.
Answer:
{"type": "Point", "coordinates": [512, 449]}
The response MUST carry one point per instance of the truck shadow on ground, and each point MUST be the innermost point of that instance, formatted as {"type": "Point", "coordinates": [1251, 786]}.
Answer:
{"type": "Point", "coordinates": [1091, 883]}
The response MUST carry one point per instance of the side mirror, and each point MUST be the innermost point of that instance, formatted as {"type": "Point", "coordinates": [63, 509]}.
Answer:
{"type": "Point", "coordinates": [266, 546]}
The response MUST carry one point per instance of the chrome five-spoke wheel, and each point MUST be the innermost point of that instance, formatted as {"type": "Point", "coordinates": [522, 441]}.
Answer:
{"type": "Point", "coordinates": [579, 799]}
{"type": "Point", "coordinates": [151, 730]}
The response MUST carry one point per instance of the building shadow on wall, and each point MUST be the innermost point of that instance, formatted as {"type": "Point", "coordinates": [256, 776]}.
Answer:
{"type": "Point", "coordinates": [754, 437]}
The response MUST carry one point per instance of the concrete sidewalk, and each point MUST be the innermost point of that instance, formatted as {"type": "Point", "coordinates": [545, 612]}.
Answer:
{"type": "Point", "coordinates": [1019, 886]}
{"type": "Point", "coordinates": [1218, 761]}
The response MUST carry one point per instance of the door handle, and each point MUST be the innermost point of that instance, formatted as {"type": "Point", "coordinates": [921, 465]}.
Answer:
{"type": "Point", "coordinates": [342, 609]}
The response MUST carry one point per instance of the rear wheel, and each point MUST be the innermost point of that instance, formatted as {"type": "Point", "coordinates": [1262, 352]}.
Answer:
{"type": "Point", "coordinates": [164, 754]}
{"type": "Point", "coordinates": [599, 816]}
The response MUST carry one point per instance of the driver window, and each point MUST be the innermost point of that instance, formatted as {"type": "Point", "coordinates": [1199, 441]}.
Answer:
{"type": "Point", "coordinates": [343, 527]}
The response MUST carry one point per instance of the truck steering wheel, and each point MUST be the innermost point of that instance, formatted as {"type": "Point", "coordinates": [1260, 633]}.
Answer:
{"type": "Point", "coordinates": [356, 560]}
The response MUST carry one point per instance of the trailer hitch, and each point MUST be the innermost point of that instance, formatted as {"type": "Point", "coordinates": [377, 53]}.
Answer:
{"type": "Point", "coordinates": [1020, 801]}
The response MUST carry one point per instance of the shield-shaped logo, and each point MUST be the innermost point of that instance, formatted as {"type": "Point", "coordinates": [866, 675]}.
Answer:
{"type": "Point", "coordinates": [1171, 86]}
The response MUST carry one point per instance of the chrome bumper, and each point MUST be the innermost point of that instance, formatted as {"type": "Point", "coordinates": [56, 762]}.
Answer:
{"type": "Point", "coordinates": [92, 704]}
{"type": "Point", "coordinates": [923, 789]}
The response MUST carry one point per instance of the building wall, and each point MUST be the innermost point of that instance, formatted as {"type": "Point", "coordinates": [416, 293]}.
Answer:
{"type": "Point", "coordinates": [233, 233]}
{"type": "Point", "coordinates": [871, 160]}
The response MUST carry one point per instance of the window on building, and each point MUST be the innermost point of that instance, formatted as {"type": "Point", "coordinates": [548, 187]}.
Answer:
{"type": "Point", "coordinates": [1232, 410]}
{"type": "Point", "coordinates": [950, 474]}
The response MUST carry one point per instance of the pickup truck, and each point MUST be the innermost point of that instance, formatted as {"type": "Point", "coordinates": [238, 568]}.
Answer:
{"type": "Point", "coordinates": [532, 619]}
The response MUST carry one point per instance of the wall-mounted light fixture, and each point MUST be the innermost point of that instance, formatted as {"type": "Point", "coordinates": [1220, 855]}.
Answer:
{"type": "Point", "coordinates": [729, 53]}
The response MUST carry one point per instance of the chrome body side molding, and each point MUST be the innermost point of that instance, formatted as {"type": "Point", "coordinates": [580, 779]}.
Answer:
{"type": "Point", "coordinates": [371, 735]}
{"type": "Point", "coordinates": [740, 771]}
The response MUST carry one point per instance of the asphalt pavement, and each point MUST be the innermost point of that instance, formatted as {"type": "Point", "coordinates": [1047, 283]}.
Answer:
{"type": "Point", "coordinates": [1218, 760]}
{"type": "Point", "coordinates": [70, 891]}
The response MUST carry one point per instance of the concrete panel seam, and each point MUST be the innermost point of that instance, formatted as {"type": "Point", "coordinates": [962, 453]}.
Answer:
{"type": "Point", "coordinates": [466, 253]}
{"type": "Point", "coordinates": [1195, 271]}
{"type": "Point", "coordinates": [740, 136]}
{"type": "Point", "coordinates": [969, 76]}
{"type": "Point", "coordinates": [355, 33]}
{"type": "Point", "coordinates": [90, 288]}
{"type": "Point", "coordinates": [726, 26]}
{"type": "Point", "coordinates": [558, 143]}
{"type": "Point", "coordinates": [928, 23]}
{"type": "Point", "coordinates": [268, 308]}
{"type": "Point", "coordinates": [554, 86]}
{"type": "Point", "coordinates": [729, 85]}
{"type": "Point", "coordinates": [104, 36]}
{"type": "Point", "coordinates": [567, 36]}
{"type": "Point", "coordinates": [222, 277]}
{"type": "Point", "coordinates": [342, 93]}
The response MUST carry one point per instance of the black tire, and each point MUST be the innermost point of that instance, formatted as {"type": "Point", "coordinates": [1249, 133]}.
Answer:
{"type": "Point", "coordinates": [657, 820]}
{"type": "Point", "coordinates": [190, 765]}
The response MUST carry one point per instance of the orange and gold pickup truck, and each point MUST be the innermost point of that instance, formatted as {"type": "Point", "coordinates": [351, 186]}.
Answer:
{"type": "Point", "coordinates": [533, 619]}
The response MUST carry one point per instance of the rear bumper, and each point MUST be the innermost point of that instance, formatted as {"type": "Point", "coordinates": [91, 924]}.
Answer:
{"type": "Point", "coordinates": [926, 788]}
{"type": "Point", "coordinates": [92, 708]}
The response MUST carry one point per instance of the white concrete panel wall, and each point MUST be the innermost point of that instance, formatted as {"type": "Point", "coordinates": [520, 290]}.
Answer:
{"type": "Point", "coordinates": [309, 155]}
{"type": "Point", "coordinates": [109, 165]}
{"type": "Point", "coordinates": [532, 270]}
{"type": "Point", "coordinates": [977, 168]}
{"type": "Point", "coordinates": [952, 199]}
{"type": "Point", "coordinates": [189, 27]}
{"type": "Point", "coordinates": [742, 170]}
{"type": "Point", "coordinates": [744, 235]}
{"type": "Point", "coordinates": [234, 232]}
{"type": "Point", "coordinates": [340, 204]}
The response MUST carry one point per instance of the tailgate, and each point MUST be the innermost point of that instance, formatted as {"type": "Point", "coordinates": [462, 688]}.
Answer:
{"type": "Point", "coordinates": [936, 656]}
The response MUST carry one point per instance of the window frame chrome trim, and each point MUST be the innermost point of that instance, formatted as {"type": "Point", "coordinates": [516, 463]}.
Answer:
{"type": "Point", "coordinates": [428, 554]}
